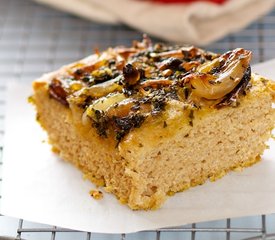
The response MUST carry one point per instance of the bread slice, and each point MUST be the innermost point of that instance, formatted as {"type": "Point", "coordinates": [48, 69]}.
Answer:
{"type": "Point", "coordinates": [168, 120]}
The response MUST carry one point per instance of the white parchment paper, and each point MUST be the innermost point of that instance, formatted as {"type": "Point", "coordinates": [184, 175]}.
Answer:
{"type": "Point", "coordinates": [40, 187]}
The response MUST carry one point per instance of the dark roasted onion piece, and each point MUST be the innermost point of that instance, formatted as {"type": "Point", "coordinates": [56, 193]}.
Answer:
{"type": "Point", "coordinates": [131, 75]}
{"type": "Point", "coordinates": [57, 91]}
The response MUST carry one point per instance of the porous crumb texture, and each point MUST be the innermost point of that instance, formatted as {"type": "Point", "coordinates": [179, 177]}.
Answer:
{"type": "Point", "coordinates": [167, 155]}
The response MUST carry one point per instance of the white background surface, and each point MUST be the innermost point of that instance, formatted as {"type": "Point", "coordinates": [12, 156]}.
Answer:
{"type": "Point", "coordinates": [53, 192]}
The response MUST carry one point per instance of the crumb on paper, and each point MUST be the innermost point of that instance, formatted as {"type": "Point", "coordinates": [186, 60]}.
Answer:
{"type": "Point", "coordinates": [55, 150]}
{"type": "Point", "coordinates": [96, 194]}
{"type": "Point", "coordinates": [30, 99]}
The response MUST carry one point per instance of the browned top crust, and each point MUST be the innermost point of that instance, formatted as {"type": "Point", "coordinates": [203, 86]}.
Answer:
{"type": "Point", "coordinates": [121, 86]}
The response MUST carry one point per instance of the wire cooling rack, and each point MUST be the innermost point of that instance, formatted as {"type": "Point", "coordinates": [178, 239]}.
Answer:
{"type": "Point", "coordinates": [35, 39]}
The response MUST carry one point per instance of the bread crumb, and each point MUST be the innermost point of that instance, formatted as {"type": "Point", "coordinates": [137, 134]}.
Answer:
{"type": "Point", "coordinates": [96, 194]}
{"type": "Point", "coordinates": [55, 150]}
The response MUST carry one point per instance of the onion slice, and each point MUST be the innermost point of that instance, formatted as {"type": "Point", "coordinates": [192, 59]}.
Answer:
{"type": "Point", "coordinates": [219, 77]}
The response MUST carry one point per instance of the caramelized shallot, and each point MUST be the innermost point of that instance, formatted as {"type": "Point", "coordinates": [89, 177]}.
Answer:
{"type": "Point", "coordinates": [102, 89]}
{"type": "Point", "coordinates": [131, 75]}
{"type": "Point", "coordinates": [220, 76]}
{"type": "Point", "coordinates": [156, 83]}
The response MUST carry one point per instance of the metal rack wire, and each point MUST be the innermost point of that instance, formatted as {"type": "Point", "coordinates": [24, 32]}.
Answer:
{"type": "Point", "coordinates": [261, 231]}
{"type": "Point", "coordinates": [36, 39]}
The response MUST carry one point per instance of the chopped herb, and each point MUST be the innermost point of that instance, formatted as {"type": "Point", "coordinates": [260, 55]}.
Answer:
{"type": "Point", "coordinates": [186, 92]}
{"type": "Point", "coordinates": [125, 124]}
{"type": "Point", "coordinates": [191, 117]}
{"type": "Point", "coordinates": [100, 122]}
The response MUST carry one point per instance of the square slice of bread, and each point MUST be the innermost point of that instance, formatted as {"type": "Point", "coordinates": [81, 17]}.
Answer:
{"type": "Point", "coordinates": [166, 146]}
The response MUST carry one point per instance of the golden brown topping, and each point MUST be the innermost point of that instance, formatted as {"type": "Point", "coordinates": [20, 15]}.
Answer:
{"type": "Point", "coordinates": [172, 53]}
{"type": "Point", "coordinates": [102, 89]}
{"type": "Point", "coordinates": [190, 52]}
{"type": "Point", "coordinates": [119, 88]}
{"type": "Point", "coordinates": [167, 73]}
{"type": "Point", "coordinates": [101, 75]}
{"type": "Point", "coordinates": [190, 65]}
{"type": "Point", "coordinates": [156, 83]}
{"type": "Point", "coordinates": [126, 52]}
{"type": "Point", "coordinates": [120, 62]}
{"type": "Point", "coordinates": [75, 86]}
{"type": "Point", "coordinates": [271, 87]}
{"type": "Point", "coordinates": [184, 52]}
{"type": "Point", "coordinates": [104, 103]}
{"type": "Point", "coordinates": [89, 68]}
{"type": "Point", "coordinates": [170, 63]}
{"type": "Point", "coordinates": [121, 109]}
